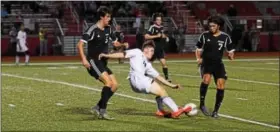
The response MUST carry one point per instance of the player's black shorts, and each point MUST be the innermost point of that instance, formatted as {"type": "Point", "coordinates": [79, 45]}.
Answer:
{"type": "Point", "coordinates": [159, 54]}
{"type": "Point", "coordinates": [217, 70]}
{"type": "Point", "coordinates": [97, 67]}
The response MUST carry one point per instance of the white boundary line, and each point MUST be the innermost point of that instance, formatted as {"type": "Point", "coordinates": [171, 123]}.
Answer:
{"type": "Point", "coordinates": [234, 79]}
{"type": "Point", "coordinates": [169, 61]}
{"type": "Point", "coordinates": [131, 97]}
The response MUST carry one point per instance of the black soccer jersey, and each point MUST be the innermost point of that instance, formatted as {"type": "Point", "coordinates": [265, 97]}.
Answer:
{"type": "Point", "coordinates": [154, 30]}
{"type": "Point", "coordinates": [119, 36]}
{"type": "Point", "coordinates": [97, 40]}
{"type": "Point", "coordinates": [213, 47]}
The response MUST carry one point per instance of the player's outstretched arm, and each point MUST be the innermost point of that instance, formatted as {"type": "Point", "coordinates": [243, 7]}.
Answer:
{"type": "Point", "coordinates": [112, 56]}
{"type": "Point", "coordinates": [80, 47]}
{"type": "Point", "coordinates": [165, 82]}
{"type": "Point", "coordinates": [148, 36]}
{"type": "Point", "coordinates": [118, 44]}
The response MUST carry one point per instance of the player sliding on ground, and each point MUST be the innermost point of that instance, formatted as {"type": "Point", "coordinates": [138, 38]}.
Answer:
{"type": "Point", "coordinates": [142, 78]}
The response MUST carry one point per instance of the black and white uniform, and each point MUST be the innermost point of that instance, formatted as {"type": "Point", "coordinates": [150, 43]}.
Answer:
{"type": "Point", "coordinates": [142, 73]}
{"type": "Point", "coordinates": [212, 53]}
{"type": "Point", "coordinates": [97, 41]}
{"type": "Point", "coordinates": [159, 42]}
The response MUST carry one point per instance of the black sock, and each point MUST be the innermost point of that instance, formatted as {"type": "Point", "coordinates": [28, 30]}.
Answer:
{"type": "Point", "coordinates": [165, 71]}
{"type": "Point", "coordinates": [219, 99]}
{"type": "Point", "coordinates": [106, 94]}
{"type": "Point", "coordinates": [203, 91]}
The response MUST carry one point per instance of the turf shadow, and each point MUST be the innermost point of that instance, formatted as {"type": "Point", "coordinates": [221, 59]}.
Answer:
{"type": "Point", "coordinates": [132, 111]}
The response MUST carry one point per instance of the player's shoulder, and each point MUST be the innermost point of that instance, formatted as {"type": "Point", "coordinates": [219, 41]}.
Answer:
{"type": "Point", "coordinates": [225, 34]}
{"type": "Point", "coordinates": [91, 29]}
{"type": "Point", "coordinates": [205, 33]}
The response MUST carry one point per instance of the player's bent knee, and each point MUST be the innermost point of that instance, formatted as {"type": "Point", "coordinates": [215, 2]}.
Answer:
{"type": "Point", "coordinates": [114, 87]}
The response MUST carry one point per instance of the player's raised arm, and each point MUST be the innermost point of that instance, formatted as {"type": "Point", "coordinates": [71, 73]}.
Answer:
{"type": "Point", "coordinates": [199, 48]}
{"type": "Point", "coordinates": [230, 48]}
{"type": "Point", "coordinates": [80, 47]}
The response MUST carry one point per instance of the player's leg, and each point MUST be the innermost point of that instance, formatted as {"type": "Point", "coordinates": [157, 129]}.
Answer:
{"type": "Point", "coordinates": [27, 57]}
{"type": "Point", "coordinates": [203, 91]}
{"type": "Point", "coordinates": [163, 98]}
{"type": "Point", "coordinates": [160, 55]}
{"type": "Point", "coordinates": [98, 71]}
{"type": "Point", "coordinates": [17, 58]}
{"type": "Point", "coordinates": [220, 76]}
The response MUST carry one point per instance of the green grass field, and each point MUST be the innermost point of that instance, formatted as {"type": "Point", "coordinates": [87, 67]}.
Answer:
{"type": "Point", "coordinates": [59, 98]}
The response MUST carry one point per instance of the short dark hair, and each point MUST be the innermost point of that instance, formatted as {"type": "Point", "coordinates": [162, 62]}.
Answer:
{"type": "Point", "coordinates": [102, 11]}
{"type": "Point", "coordinates": [217, 20]}
{"type": "Point", "coordinates": [148, 43]}
{"type": "Point", "coordinates": [155, 15]}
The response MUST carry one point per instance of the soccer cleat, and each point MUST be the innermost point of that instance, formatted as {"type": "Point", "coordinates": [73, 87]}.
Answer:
{"type": "Point", "coordinates": [26, 63]}
{"type": "Point", "coordinates": [95, 110]}
{"type": "Point", "coordinates": [204, 110]}
{"type": "Point", "coordinates": [176, 114]}
{"type": "Point", "coordinates": [105, 116]}
{"type": "Point", "coordinates": [215, 115]}
{"type": "Point", "coordinates": [162, 113]}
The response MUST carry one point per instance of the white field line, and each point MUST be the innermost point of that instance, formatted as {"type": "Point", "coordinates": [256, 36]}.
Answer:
{"type": "Point", "coordinates": [128, 96]}
{"type": "Point", "coordinates": [169, 61]}
{"type": "Point", "coordinates": [242, 99]}
{"type": "Point", "coordinates": [234, 79]}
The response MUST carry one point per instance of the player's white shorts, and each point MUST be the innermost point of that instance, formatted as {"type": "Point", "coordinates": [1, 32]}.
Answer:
{"type": "Point", "coordinates": [141, 84]}
{"type": "Point", "coordinates": [21, 47]}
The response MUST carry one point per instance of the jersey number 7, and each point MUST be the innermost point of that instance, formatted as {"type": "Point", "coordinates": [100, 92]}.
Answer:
{"type": "Point", "coordinates": [221, 46]}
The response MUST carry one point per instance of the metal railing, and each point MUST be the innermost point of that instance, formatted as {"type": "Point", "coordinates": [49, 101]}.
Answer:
{"type": "Point", "coordinates": [59, 26]}
{"type": "Point", "coordinates": [128, 23]}
{"type": "Point", "coordinates": [74, 14]}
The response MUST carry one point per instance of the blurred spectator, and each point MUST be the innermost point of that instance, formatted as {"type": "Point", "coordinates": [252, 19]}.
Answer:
{"type": "Point", "coordinates": [13, 41]}
{"type": "Point", "coordinates": [4, 12]}
{"type": "Point", "coordinates": [43, 42]}
{"type": "Point", "coordinates": [140, 37]}
{"type": "Point", "coordinates": [232, 12]}
{"type": "Point", "coordinates": [246, 46]}
{"type": "Point", "coordinates": [254, 37]}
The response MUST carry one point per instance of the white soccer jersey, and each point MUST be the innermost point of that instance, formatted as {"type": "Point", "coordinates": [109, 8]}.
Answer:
{"type": "Point", "coordinates": [141, 71]}
{"type": "Point", "coordinates": [21, 46]}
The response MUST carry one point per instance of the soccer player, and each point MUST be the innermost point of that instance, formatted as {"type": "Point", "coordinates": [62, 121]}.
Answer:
{"type": "Point", "coordinates": [22, 46]}
{"type": "Point", "coordinates": [209, 53]}
{"type": "Point", "coordinates": [155, 33]}
{"type": "Point", "coordinates": [142, 78]}
{"type": "Point", "coordinates": [97, 39]}
{"type": "Point", "coordinates": [120, 36]}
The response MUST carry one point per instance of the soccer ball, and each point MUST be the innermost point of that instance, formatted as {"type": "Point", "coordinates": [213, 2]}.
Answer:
{"type": "Point", "coordinates": [194, 110]}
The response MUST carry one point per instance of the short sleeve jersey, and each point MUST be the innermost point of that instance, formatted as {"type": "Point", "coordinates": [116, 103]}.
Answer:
{"type": "Point", "coordinates": [212, 47]}
{"type": "Point", "coordinates": [97, 40]}
{"type": "Point", "coordinates": [154, 30]}
{"type": "Point", "coordinates": [139, 65]}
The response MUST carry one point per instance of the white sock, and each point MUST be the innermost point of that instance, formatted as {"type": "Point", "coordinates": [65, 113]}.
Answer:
{"type": "Point", "coordinates": [159, 103]}
{"type": "Point", "coordinates": [26, 58]}
{"type": "Point", "coordinates": [17, 59]}
{"type": "Point", "coordinates": [170, 103]}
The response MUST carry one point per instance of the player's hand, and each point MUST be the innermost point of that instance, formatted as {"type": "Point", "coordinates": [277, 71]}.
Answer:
{"type": "Point", "coordinates": [199, 61]}
{"type": "Point", "coordinates": [164, 36]}
{"type": "Point", "coordinates": [159, 35]}
{"type": "Point", "coordinates": [101, 56]}
{"type": "Point", "coordinates": [231, 55]}
{"type": "Point", "coordinates": [85, 63]}
{"type": "Point", "coordinates": [177, 86]}
{"type": "Point", "coordinates": [126, 45]}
